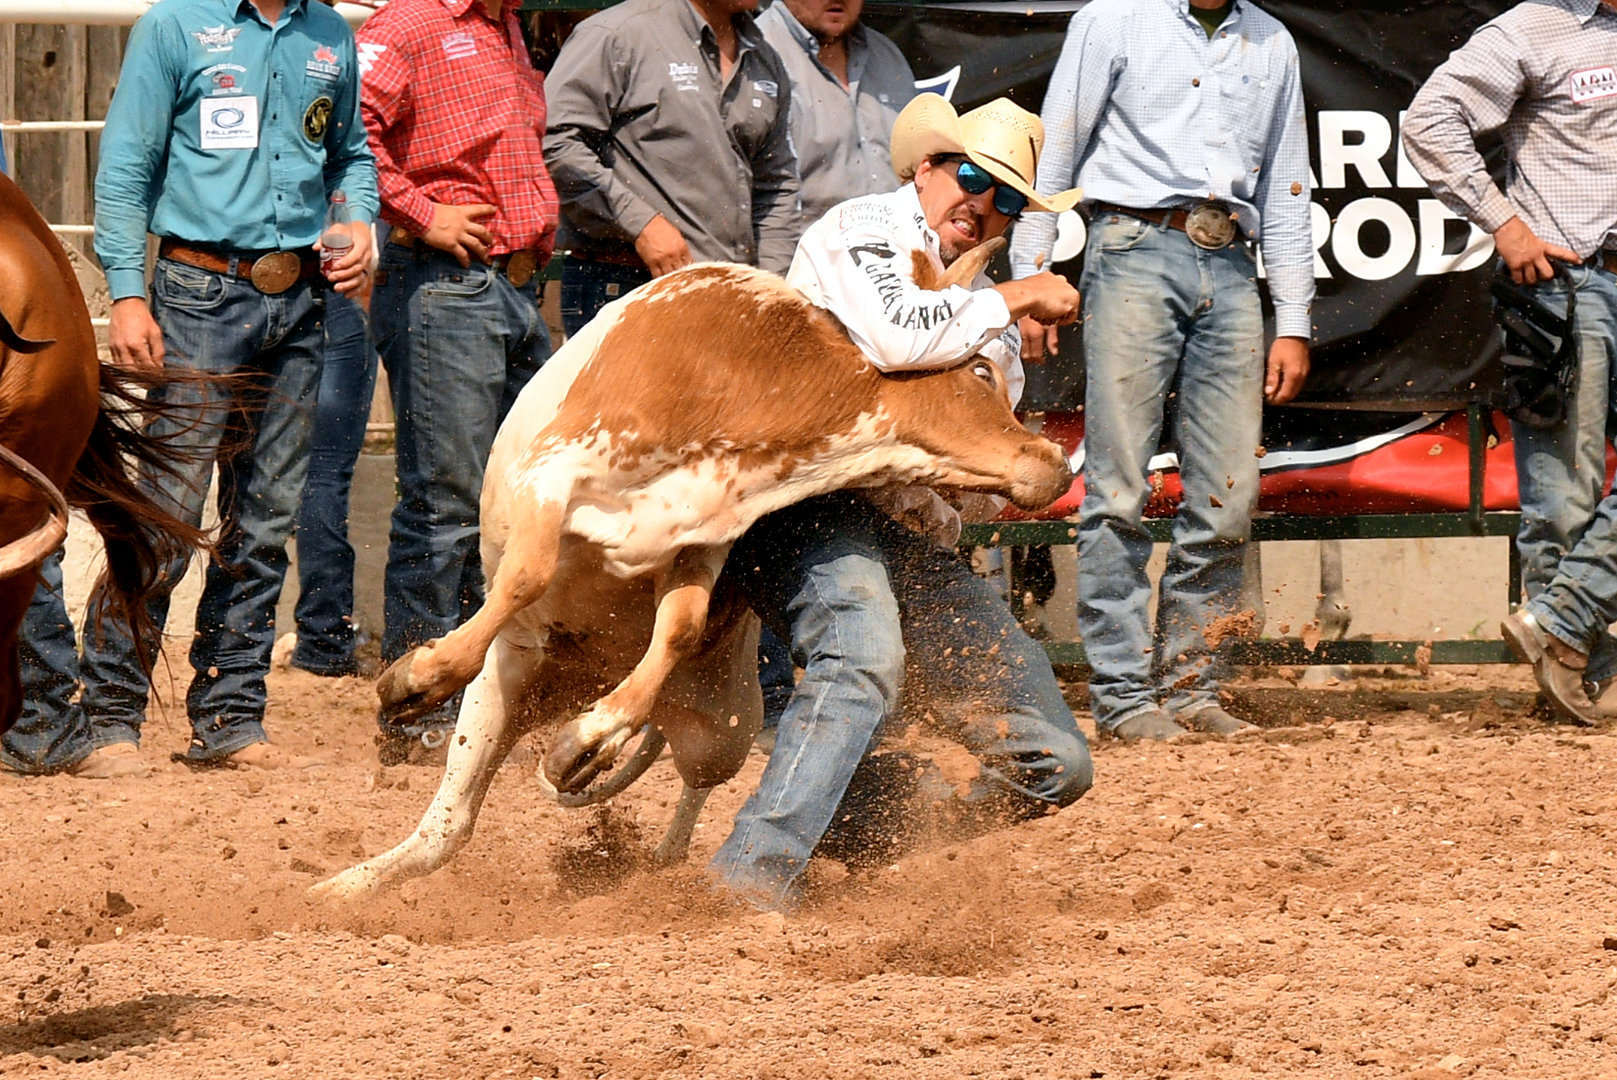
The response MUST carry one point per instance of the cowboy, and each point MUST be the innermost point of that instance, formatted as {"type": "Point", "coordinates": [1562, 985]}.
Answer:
{"type": "Point", "coordinates": [848, 84]}
{"type": "Point", "coordinates": [1542, 75]}
{"type": "Point", "coordinates": [852, 580]}
{"type": "Point", "coordinates": [456, 114]}
{"type": "Point", "coordinates": [232, 126]}
{"type": "Point", "coordinates": [669, 144]}
{"type": "Point", "coordinates": [1183, 165]}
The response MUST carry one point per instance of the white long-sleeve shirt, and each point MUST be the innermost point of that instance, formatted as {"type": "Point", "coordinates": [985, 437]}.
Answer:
{"type": "Point", "coordinates": [857, 262]}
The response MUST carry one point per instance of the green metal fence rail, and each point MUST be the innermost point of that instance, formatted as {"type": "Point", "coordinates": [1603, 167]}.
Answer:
{"type": "Point", "coordinates": [1473, 521]}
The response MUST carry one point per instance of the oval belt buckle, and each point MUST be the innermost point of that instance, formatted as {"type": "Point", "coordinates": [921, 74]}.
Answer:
{"type": "Point", "coordinates": [520, 267]}
{"type": "Point", "coordinates": [1210, 225]}
{"type": "Point", "coordinates": [276, 272]}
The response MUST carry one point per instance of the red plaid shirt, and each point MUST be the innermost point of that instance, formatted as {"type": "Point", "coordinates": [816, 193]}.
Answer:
{"type": "Point", "coordinates": [456, 114]}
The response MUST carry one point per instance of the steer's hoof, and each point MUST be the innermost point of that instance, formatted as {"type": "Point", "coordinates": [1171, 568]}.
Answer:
{"type": "Point", "coordinates": [571, 763]}
{"type": "Point", "coordinates": [343, 888]}
{"type": "Point", "coordinates": [401, 701]}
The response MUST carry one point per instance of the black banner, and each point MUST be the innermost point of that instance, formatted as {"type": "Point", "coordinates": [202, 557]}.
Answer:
{"type": "Point", "coordinates": [1402, 313]}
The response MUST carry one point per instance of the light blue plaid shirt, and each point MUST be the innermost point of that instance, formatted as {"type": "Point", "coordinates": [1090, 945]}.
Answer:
{"type": "Point", "coordinates": [1144, 110]}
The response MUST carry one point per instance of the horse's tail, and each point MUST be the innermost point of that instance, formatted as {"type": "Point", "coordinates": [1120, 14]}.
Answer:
{"type": "Point", "coordinates": [144, 538]}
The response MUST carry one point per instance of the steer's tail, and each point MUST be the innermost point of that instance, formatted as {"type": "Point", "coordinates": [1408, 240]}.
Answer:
{"type": "Point", "coordinates": [145, 541]}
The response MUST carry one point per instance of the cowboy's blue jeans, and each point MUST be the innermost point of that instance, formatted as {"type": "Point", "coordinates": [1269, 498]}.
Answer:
{"type": "Point", "coordinates": [588, 286]}
{"type": "Point", "coordinates": [1568, 536]}
{"type": "Point", "coordinates": [459, 344]}
{"type": "Point", "coordinates": [325, 607]}
{"type": "Point", "coordinates": [1164, 319]}
{"type": "Point", "coordinates": [258, 433]}
{"type": "Point", "coordinates": [850, 589]}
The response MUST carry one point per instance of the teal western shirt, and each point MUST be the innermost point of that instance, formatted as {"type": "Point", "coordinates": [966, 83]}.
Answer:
{"type": "Point", "coordinates": [229, 132]}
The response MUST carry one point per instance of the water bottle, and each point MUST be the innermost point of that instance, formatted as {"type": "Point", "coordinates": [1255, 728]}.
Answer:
{"type": "Point", "coordinates": [335, 242]}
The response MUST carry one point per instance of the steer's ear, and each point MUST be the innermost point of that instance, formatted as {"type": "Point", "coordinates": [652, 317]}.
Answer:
{"type": "Point", "coordinates": [964, 270]}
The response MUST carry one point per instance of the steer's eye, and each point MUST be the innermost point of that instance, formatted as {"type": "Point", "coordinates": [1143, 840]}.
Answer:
{"type": "Point", "coordinates": [984, 371]}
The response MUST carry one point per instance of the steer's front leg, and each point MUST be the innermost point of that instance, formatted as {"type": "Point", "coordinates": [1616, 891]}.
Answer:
{"type": "Point", "coordinates": [589, 745]}
{"type": "Point", "coordinates": [483, 736]}
{"type": "Point", "coordinates": [430, 674]}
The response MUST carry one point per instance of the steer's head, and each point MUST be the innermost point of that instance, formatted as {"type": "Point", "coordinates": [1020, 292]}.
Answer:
{"type": "Point", "coordinates": [962, 417]}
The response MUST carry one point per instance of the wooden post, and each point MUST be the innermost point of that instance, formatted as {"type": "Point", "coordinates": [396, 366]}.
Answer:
{"type": "Point", "coordinates": [8, 80]}
{"type": "Point", "coordinates": [52, 168]}
{"type": "Point", "coordinates": [105, 50]}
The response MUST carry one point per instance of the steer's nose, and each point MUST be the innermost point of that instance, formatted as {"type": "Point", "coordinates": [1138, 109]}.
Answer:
{"type": "Point", "coordinates": [1042, 475]}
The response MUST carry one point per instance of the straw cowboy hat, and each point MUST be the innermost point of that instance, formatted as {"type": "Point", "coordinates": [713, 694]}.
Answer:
{"type": "Point", "coordinates": [1002, 137]}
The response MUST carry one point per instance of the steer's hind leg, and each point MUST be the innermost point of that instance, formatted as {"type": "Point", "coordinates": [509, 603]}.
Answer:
{"type": "Point", "coordinates": [483, 736]}
{"type": "Point", "coordinates": [430, 674]}
{"type": "Point", "coordinates": [677, 840]}
{"type": "Point", "coordinates": [590, 744]}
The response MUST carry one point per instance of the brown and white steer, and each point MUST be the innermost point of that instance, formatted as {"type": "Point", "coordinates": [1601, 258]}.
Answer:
{"type": "Point", "coordinates": [639, 453]}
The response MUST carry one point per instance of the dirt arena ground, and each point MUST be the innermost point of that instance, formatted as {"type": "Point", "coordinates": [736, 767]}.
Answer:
{"type": "Point", "coordinates": [1408, 878]}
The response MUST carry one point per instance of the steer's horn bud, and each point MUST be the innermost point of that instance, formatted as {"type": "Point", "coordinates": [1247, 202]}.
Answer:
{"type": "Point", "coordinates": [964, 270]}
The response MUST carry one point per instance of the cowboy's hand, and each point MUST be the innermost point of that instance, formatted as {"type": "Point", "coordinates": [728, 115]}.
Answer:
{"type": "Point", "coordinates": [135, 338]}
{"type": "Point", "coordinates": [460, 231]}
{"type": "Point", "coordinates": [1288, 370]}
{"type": "Point", "coordinates": [347, 275]}
{"type": "Point", "coordinates": [661, 247]}
{"type": "Point", "coordinates": [1038, 340]}
{"type": "Point", "coordinates": [1044, 297]}
{"type": "Point", "coordinates": [1526, 256]}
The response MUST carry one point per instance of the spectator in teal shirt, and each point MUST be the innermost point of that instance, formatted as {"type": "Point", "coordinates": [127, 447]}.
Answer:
{"type": "Point", "coordinates": [232, 126]}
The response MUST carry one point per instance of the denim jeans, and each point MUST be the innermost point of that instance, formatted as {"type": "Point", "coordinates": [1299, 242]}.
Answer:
{"type": "Point", "coordinates": [1164, 318]}
{"type": "Point", "coordinates": [588, 286]}
{"type": "Point", "coordinates": [325, 607]}
{"type": "Point", "coordinates": [53, 733]}
{"type": "Point", "coordinates": [850, 588]}
{"type": "Point", "coordinates": [776, 676]}
{"type": "Point", "coordinates": [1568, 537]}
{"type": "Point", "coordinates": [258, 433]}
{"type": "Point", "coordinates": [459, 344]}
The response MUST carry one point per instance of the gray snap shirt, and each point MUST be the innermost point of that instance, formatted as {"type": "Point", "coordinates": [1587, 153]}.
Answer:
{"type": "Point", "coordinates": [842, 135]}
{"type": "Point", "coordinates": [640, 124]}
{"type": "Point", "coordinates": [1544, 75]}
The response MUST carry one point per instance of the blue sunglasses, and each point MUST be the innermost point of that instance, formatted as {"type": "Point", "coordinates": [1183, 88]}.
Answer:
{"type": "Point", "coordinates": [974, 180]}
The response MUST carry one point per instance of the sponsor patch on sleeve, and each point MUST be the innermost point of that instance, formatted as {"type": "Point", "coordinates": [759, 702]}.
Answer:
{"type": "Point", "coordinates": [863, 213]}
{"type": "Point", "coordinates": [369, 53]}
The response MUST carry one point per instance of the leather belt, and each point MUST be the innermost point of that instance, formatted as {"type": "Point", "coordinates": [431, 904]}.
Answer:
{"type": "Point", "coordinates": [519, 267]}
{"type": "Point", "coordinates": [612, 258]}
{"type": "Point", "coordinates": [1606, 259]}
{"type": "Point", "coordinates": [1171, 216]}
{"type": "Point", "coordinates": [1209, 225]}
{"type": "Point", "coordinates": [271, 272]}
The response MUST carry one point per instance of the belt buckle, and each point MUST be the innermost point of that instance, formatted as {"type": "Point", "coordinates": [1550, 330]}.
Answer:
{"type": "Point", "coordinates": [276, 272]}
{"type": "Point", "coordinates": [520, 267]}
{"type": "Point", "coordinates": [1210, 225]}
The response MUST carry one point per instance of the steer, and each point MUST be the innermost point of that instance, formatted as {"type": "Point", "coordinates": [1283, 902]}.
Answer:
{"type": "Point", "coordinates": [639, 453]}
{"type": "Point", "coordinates": [67, 424]}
